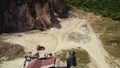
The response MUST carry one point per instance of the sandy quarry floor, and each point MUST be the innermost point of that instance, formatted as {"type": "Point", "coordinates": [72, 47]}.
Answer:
{"type": "Point", "coordinates": [73, 34]}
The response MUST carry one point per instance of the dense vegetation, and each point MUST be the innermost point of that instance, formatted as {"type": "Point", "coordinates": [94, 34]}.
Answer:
{"type": "Point", "coordinates": [106, 8]}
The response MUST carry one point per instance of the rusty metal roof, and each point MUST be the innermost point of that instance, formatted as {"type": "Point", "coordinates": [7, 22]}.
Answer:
{"type": "Point", "coordinates": [38, 63]}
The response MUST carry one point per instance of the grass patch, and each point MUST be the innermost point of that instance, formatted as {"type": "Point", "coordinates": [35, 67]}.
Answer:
{"type": "Point", "coordinates": [82, 57]}
{"type": "Point", "coordinates": [109, 34]}
{"type": "Point", "coordinates": [106, 25]}
{"type": "Point", "coordinates": [111, 43]}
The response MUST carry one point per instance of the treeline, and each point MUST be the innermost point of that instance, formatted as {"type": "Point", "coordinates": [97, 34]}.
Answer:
{"type": "Point", "coordinates": [106, 8]}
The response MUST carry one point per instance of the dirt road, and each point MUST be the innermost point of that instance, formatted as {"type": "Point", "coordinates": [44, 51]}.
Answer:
{"type": "Point", "coordinates": [73, 34]}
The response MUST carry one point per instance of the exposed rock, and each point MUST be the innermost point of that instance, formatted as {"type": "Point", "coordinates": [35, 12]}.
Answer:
{"type": "Point", "coordinates": [10, 51]}
{"type": "Point", "coordinates": [37, 14]}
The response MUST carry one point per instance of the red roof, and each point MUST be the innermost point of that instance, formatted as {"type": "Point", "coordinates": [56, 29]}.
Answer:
{"type": "Point", "coordinates": [48, 61]}
{"type": "Point", "coordinates": [37, 63]}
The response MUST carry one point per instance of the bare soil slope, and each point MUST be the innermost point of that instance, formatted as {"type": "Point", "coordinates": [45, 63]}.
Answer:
{"type": "Point", "coordinates": [73, 34]}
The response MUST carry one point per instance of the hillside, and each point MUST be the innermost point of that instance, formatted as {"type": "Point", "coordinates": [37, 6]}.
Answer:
{"type": "Point", "coordinates": [88, 27]}
{"type": "Point", "coordinates": [105, 8]}
{"type": "Point", "coordinates": [26, 15]}
{"type": "Point", "coordinates": [69, 36]}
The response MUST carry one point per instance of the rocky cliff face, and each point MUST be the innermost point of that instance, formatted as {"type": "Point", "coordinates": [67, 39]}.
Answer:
{"type": "Point", "coordinates": [21, 15]}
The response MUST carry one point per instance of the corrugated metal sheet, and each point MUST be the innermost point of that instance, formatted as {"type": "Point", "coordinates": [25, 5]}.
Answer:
{"type": "Point", "coordinates": [38, 63]}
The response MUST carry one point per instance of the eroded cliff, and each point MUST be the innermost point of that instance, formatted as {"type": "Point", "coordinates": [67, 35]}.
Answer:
{"type": "Point", "coordinates": [24, 15]}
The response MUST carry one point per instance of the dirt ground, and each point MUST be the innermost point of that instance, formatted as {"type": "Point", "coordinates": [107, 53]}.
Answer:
{"type": "Point", "coordinates": [73, 34]}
